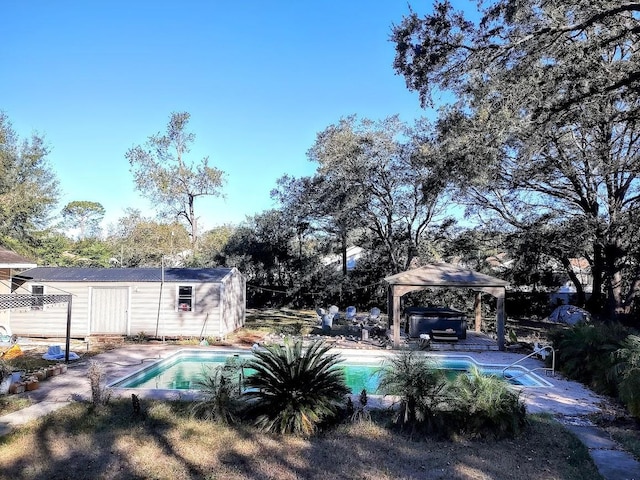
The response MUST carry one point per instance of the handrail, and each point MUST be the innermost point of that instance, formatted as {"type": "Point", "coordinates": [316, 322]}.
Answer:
{"type": "Point", "coordinates": [537, 351]}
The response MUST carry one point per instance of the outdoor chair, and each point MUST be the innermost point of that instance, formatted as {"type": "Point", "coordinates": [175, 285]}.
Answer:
{"type": "Point", "coordinates": [350, 313]}
{"type": "Point", "coordinates": [374, 316]}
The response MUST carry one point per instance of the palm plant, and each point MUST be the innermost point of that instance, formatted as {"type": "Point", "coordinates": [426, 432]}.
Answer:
{"type": "Point", "coordinates": [627, 371]}
{"type": "Point", "coordinates": [294, 390]}
{"type": "Point", "coordinates": [222, 387]}
{"type": "Point", "coordinates": [584, 353]}
{"type": "Point", "coordinates": [485, 405]}
{"type": "Point", "coordinates": [419, 383]}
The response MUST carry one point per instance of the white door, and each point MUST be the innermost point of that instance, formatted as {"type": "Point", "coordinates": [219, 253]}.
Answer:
{"type": "Point", "coordinates": [109, 310]}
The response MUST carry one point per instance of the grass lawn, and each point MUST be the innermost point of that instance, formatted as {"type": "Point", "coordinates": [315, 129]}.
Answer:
{"type": "Point", "coordinates": [111, 443]}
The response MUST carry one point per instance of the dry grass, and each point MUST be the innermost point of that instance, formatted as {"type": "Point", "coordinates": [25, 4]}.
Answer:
{"type": "Point", "coordinates": [111, 443]}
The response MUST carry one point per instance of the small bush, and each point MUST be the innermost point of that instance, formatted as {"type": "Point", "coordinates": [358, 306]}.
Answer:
{"type": "Point", "coordinates": [472, 404]}
{"type": "Point", "coordinates": [627, 372]}
{"type": "Point", "coordinates": [222, 387]}
{"type": "Point", "coordinates": [584, 353]}
{"type": "Point", "coordinates": [100, 395]}
{"type": "Point", "coordinates": [419, 383]}
{"type": "Point", "coordinates": [361, 413]}
{"type": "Point", "coordinates": [5, 370]}
{"type": "Point", "coordinates": [485, 406]}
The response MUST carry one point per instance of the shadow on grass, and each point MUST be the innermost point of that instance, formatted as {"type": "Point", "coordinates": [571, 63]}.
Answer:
{"type": "Point", "coordinates": [111, 442]}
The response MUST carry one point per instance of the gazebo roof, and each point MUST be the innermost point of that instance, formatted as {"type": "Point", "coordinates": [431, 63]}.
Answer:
{"type": "Point", "coordinates": [444, 275]}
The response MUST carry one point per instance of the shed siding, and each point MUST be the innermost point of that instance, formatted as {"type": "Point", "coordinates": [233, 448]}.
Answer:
{"type": "Point", "coordinates": [234, 303]}
{"type": "Point", "coordinates": [169, 321]}
{"type": "Point", "coordinates": [147, 311]}
{"type": "Point", "coordinates": [144, 308]}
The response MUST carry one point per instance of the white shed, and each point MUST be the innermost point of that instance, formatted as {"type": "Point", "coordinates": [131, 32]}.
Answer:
{"type": "Point", "coordinates": [171, 302]}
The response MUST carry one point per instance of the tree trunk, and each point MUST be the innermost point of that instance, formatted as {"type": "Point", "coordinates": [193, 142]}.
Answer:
{"type": "Point", "coordinates": [581, 300]}
{"type": "Point", "coordinates": [595, 301]}
{"type": "Point", "coordinates": [343, 248]}
{"type": "Point", "coordinates": [194, 226]}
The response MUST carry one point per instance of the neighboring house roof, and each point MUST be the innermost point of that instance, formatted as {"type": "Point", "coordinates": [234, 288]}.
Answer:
{"type": "Point", "coordinates": [500, 262]}
{"type": "Point", "coordinates": [69, 274]}
{"type": "Point", "coordinates": [10, 259]}
{"type": "Point", "coordinates": [444, 275]}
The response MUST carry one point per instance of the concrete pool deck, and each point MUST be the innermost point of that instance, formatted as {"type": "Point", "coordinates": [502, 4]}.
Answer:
{"type": "Point", "coordinates": [569, 402]}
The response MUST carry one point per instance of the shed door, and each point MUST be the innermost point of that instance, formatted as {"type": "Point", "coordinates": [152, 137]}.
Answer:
{"type": "Point", "coordinates": [109, 309]}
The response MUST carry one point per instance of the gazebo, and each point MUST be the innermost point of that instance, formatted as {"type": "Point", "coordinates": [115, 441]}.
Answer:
{"type": "Point", "coordinates": [445, 275]}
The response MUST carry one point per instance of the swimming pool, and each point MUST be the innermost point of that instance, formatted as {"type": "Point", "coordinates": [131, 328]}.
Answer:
{"type": "Point", "coordinates": [185, 368]}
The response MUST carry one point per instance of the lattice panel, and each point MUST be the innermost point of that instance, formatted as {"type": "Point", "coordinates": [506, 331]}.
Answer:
{"type": "Point", "coordinates": [8, 301]}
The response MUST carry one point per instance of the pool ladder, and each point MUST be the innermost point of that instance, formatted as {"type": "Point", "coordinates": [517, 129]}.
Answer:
{"type": "Point", "coordinates": [537, 351]}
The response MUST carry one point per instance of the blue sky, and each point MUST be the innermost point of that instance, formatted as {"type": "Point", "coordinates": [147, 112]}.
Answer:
{"type": "Point", "coordinates": [259, 78]}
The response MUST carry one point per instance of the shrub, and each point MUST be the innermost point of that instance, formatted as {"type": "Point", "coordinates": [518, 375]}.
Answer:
{"type": "Point", "coordinates": [419, 383]}
{"type": "Point", "coordinates": [294, 390]}
{"type": "Point", "coordinates": [485, 406]}
{"type": "Point", "coordinates": [100, 395]}
{"type": "Point", "coordinates": [627, 371]}
{"type": "Point", "coordinates": [360, 413]}
{"type": "Point", "coordinates": [584, 353]}
{"type": "Point", "coordinates": [222, 387]}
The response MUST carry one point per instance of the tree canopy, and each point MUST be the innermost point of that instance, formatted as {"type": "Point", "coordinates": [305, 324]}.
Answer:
{"type": "Point", "coordinates": [142, 242]}
{"type": "Point", "coordinates": [163, 174]}
{"type": "Point", "coordinates": [83, 216]}
{"type": "Point", "coordinates": [449, 50]}
{"type": "Point", "coordinates": [543, 128]}
{"type": "Point", "coordinates": [381, 177]}
{"type": "Point", "coordinates": [28, 186]}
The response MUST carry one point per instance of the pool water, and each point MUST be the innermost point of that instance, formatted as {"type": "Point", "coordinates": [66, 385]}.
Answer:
{"type": "Point", "coordinates": [185, 369]}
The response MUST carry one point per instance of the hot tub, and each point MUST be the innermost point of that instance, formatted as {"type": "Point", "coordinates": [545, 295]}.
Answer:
{"type": "Point", "coordinates": [419, 320]}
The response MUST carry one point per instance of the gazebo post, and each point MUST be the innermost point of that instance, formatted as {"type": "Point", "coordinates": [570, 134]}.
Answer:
{"type": "Point", "coordinates": [500, 319]}
{"type": "Point", "coordinates": [68, 339]}
{"type": "Point", "coordinates": [477, 310]}
{"type": "Point", "coordinates": [396, 319]}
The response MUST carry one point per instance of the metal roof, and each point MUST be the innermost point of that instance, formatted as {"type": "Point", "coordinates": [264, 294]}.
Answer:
{"type": "Point", "coordinates": [72, 274]}
{"type": "Point", "coordinates": [444, 275]}
{"type": "Point", "coordinates": [10, 259]}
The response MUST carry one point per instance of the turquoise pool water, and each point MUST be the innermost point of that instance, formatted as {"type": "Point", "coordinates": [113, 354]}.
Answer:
{"type": "Point", "coordinates": [186, 368]}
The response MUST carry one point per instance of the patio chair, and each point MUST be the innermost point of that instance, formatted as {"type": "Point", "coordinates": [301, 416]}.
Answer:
{"type": "Point", "coordinates": [350, 313]}
{"type": "Point", "coordinates": [374, 315]}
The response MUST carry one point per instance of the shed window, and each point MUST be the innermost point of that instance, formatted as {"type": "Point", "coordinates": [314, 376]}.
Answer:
{"type": "Point", "coordinates": [37, 291]}
{"type": "Point", "coordinates": [185, 298]}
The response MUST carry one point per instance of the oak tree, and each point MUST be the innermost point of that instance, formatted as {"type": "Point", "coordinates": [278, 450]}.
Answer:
{"type": "Point", "coordinates": [543, 126]}
{"type": "Point", "coordinates": [164, 175]}
{"type": "Point", "coordinates": [28, 185]}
